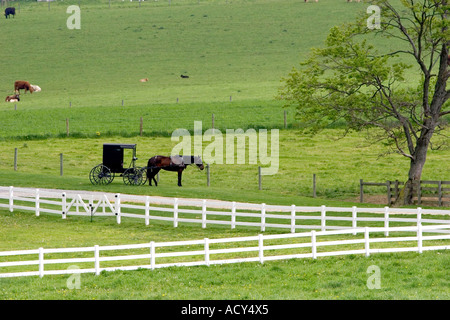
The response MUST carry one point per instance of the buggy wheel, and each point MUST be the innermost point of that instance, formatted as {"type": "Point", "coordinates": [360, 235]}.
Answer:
{"type": "Point", "coordinates": [144, 174]}
{"type": "Point", "coordinates": [101, 175]}
{"type": "Point", "coordinates": [133, 176]}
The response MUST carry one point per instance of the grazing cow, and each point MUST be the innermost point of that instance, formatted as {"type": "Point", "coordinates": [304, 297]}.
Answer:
{"type": "Point", "coordinates": [144, 80]}
{"type": "Point", "coordinates": [184, 77]}
{"type": "Point", "coordinates": [36, 88]}
{"type": "Point", "coordinates": [13, 98]}
{"type": "Point", "coordinates": [9, 11]}
{"type": "Point", "coordinates": [22, 85]}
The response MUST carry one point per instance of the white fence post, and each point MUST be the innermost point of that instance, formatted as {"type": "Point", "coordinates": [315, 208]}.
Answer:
{"type": "Point", "coordinates": [419, 229]}
{"type": "Point", "coordinates": [147, 210]}
{"type": "Point", "coordinates": [207, 251]}
{"type": "Point", "coordinates": [419, 216]}
{"type": "Point", "coordinates": [64, 205]}
{"type": "Point", "coordinates": [90, 205]}
{"type": "Point", "coordinates": [11, 198]}
{"type": "Point", "coordinates": [323, 218]}
{"type": "Point", "coordinates": [261, 248]}
{"type": "Point", "coordinates": [41, 262]}
{"type": "Point", "coordinates": [103, 202]}
{"type": "Point", "coordinates": [313, 244]}
{"type": "Point", "coordinates": [366, 241]}
{"type": "Point", "coordinates": [293, 218]}
{"type": "Point", "coordinates": [233, 215]}
{"type": "Point", "coordinates": [354, 221]}
{"type": "Point", "coordinates": [263, 217]}
{"type": "Point", "coordinates": [152, 255]}
{"type": "Point", "coordinates": [118, 208]}
{"type": "Point", "coordinates": [77, 203]}
{"type": "Point", "coordinates": [419, 238]}
{"type": "Point", "coordinates": [97, 259]}
{"type": "Point", "coordinates": [175, 213]}
{"type": "Point", "coordinates": [386, 221]}
{"type": "Point", "coordinates": [204, 214]}
{"type": "Point", "coordinates": [36, 200]}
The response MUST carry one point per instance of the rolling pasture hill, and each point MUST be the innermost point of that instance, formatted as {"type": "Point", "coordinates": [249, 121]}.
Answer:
{"type": "Point", "coordinates": [239, 49]}
{"type": "Point", "coordinates": [235, 54]}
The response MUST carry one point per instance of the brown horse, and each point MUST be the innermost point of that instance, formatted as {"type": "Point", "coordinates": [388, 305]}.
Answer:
{"type": "Point", "coordinates": [172, 163]}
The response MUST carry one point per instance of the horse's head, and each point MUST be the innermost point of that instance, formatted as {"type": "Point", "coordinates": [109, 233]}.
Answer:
{"type": "Point", "coordinates": [198, 162]}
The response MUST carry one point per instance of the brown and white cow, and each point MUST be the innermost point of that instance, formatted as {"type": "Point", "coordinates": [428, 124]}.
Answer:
{"type": "Point", "coordinates": [18, 85]}
{"type": "Point", "coordinates": [12, 98]}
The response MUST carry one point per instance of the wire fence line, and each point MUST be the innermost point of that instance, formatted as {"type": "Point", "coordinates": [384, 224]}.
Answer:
{"type": "Point", "coordinates": [337, 228]}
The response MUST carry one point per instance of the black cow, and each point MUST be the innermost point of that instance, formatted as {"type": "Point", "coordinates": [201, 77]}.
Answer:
{"type": "Point", "coordinates": [9, 11]}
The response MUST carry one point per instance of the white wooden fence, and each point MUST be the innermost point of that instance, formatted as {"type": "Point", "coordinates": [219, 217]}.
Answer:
{"type": "Point", "coordinates": [232, 250]}
{"type": "Point", "coordinates": [204, 212]}
{"type": "Point", "coordinates": [263, 251]}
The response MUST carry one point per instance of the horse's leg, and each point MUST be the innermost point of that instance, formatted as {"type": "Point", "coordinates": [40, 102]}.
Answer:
{"type": "Point", "coordinates": [154, 175]}
{"type": "Point", "coordinates": [179, 177]}
{"type": "Point", "coordinates": [154, 179]}
{"type": "Point", "coordinates": [150, 175]}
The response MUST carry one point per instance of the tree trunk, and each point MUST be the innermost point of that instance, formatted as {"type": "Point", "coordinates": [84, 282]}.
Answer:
{"type": "Point", "coordinates": [415, 173]}
{"type": "Point", "coordinates": [416, 165]}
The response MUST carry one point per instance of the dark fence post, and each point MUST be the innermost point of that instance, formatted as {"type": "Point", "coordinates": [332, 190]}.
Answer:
{"type": "Point", "coordinates": [388, 187]}
{"type": "Point", "coordinates": [61, 166]}
{"type": "Point", "coordinates": [396, 189]}
{"type": "Point", "coordinates": [259, 178]}
{"type": "Point", "coordinates": [15, 159]}
{"type": "Point", "coordinates": [361, 190]}
{"type": "Point", "coordinates": [314, 185]}
{"type": "Point", "coordinates": [440, 193]}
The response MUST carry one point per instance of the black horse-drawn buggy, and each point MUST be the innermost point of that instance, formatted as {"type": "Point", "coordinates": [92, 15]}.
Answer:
{"type": "Point", "coordinates": [113, 163]}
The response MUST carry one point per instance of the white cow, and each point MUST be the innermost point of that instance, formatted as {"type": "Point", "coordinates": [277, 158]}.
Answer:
{"type": "Point", "coordinates": [36, 88]}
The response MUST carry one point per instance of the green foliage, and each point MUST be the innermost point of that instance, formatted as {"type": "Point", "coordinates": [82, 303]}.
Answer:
{"type": "Point", "coordinates": [365, 85]}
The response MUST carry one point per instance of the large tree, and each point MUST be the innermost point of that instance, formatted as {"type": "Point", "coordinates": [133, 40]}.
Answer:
{"type": "Point", "coordinates": [391, 78]}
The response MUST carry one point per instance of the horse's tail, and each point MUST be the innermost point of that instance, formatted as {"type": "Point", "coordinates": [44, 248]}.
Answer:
{"type": "Point", "coordinates": [149, 171]}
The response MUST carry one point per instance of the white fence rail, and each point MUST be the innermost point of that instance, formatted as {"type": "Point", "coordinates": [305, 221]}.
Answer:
{"type": "Point", "coordinates": [259, 248]}
{"type": "Point", "coordinates": [205, 212]}
{"type": "Point", "coordinates": [331, 221]}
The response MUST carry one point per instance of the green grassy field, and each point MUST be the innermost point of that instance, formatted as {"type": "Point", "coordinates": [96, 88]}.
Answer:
{"type": "Point", "coordinates": [403, 275]}
{"type": "Point", "coordinates": [236, 53]}
{"type": "Point", "coordinates": [333, 161]}
{"type": "Point", "coordinates": [239, 49]}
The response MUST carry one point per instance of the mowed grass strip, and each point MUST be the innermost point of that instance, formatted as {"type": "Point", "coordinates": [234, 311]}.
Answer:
{"type": "Point", "coordinates": [339, 164]}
